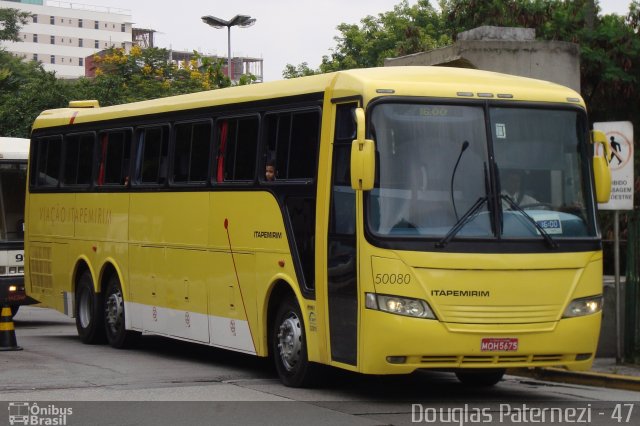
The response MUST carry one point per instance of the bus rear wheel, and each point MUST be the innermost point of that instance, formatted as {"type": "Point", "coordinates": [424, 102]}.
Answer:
{"type": "Point", "coordinates": [89, 314]}
{"type": "Point", "coordinates": [114, 320]}
{"type": "Point", "coordinates": [480, 378]}
{"type": "Point", "coordinates": [289, 346]}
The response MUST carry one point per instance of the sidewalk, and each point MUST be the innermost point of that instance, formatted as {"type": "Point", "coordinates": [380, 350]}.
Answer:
{"type": "Point", "coordinates": [604, 373]}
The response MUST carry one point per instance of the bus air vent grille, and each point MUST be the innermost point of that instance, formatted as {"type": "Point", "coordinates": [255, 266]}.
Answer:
{"type": "Point", "coordinates": [40, 269]}
{"type": "Point", "coordinates": [504, 360]}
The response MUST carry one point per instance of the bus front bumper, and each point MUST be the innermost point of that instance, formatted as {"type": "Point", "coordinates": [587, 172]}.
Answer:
{"type": "Point", "coordinates": [401, 345]}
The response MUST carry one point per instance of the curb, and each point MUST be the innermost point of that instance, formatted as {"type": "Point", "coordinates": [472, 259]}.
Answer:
{"type": "Point", "coordinates": [586, 378]}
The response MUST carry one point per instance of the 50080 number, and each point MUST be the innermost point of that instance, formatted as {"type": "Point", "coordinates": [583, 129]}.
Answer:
{"type": "Point", "coordinates": [392, 278]}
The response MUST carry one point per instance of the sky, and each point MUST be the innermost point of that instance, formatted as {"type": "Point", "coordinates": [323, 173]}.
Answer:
{"type": "Point", "coordinates": [285, 32]}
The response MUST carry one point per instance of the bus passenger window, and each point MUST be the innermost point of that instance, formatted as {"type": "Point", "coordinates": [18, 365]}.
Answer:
{"type": "Point", "coordinates": [152, 154]}
{"type": "Point", "coordinates": [292, 139]}
{"type": "Point", "coordinates": [48, 162]}
{"type": "Point", "coordinates": [238, 145]}
{"type": "Point", "coordinates": [115, 152]}
{"type": "Point", "coordinates": [192, 152]}
{"type": "Point", "coordinates": [78, 159]}
{"type": "Point", "coordinates": [303, 149]}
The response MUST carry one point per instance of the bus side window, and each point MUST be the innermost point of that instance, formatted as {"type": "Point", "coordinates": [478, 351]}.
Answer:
{"type": "Point", "coordinates": [293, 137]}
{"type": "Point", "coordinates": [114, 158]}
{"type": "Point", "coordinates": [192, 152]}
{"type": "Point", "coordinates": [78, 159]}
{"type": "Point", "coordinates": [238, 146]}
{"type": "Point", "coordinates": [152, 153]}
{"type": "Point", "coordinates": [49, 153]}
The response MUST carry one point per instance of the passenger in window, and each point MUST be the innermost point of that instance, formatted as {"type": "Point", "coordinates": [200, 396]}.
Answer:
{"type": "Point", "coordinates": [270, 171]}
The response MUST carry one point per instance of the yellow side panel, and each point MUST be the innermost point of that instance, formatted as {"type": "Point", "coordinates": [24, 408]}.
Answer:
{"type": "Point", "coordinates": [102, 217]}
{"type": "Point", "coordinates": [179, 218]}
{"type": "Point", "coordinates": [145, 274]}
{"type": "Point", "coordinates": [187, 278]}
{"type": "Point", "coordinates": [51, 215]}
{"type": "Point", "coordinates": [254, 222]}
{"type": "Point", "coordinates": [47, 275]}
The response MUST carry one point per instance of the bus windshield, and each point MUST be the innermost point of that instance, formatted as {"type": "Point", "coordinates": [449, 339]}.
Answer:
{"type": "Point", "coordinates": [440, 168]}
{"type": "Point", "coordinates": [13, 177]}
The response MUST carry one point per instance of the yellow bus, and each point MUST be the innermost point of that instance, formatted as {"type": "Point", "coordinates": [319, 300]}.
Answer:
{"type": "Point", "coordinates": [420, 217]}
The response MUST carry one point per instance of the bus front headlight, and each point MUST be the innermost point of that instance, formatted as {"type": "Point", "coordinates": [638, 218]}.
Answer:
{"type": "Point", "coordinates": [583, 306]}
{"type": "Point", "coordinates": [399, 305]}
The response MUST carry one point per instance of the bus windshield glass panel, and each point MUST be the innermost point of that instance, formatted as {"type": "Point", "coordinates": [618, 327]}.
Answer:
{"type": "Point", "coordinates": [434, 173]}
{"type": "Point", "coordinates": [418, 148]}
{"type": "Point", "coordinates": [542, 159]}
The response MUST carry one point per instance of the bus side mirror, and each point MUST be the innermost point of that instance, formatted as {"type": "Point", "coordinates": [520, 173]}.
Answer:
{"type": "Point", "coordinates": [601, 172]}
{"type": "Point", "coordinates": [363, 157]}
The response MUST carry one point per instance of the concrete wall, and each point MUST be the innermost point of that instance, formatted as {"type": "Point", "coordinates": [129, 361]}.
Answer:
{"type": "Point", "coordinates": [505, 50]}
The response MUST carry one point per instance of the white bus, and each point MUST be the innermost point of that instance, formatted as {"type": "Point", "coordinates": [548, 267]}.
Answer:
{"type": "Point", "coordinates": [13, 174]}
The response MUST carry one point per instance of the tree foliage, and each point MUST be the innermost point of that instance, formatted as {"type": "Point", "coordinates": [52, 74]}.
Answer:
{"type": "Point", "coordinates": [11, 20]}
{"type": "Point", "coordinates": [149, 73]}
{"type": "Point", "coordinates": [404, 30]}
{"type": "Point", "coordinates": [25, 90]}
{"type": "Point", "coordinates": [301, 70]}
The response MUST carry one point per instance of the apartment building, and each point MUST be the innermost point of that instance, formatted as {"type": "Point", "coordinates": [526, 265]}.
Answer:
{"type": "Point", "coordinates": [61, 35]}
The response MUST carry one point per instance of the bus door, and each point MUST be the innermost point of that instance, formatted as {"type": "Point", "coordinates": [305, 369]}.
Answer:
{"type": "Point", "coordinates": [342, 285]}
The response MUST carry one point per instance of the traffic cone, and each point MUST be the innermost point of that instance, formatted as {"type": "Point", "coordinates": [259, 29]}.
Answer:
{"type": "Point", "coordinates": [8, 340]}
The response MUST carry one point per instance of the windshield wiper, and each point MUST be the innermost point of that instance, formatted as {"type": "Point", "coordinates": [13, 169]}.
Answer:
{"type": "Point", "coordinates": [466, 218]}
{"type": "Point", "coordinates": [550, 241]}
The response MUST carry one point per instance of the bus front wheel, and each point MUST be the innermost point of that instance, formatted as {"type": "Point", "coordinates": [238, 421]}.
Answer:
{"type": "Point", "coordinates": [89, 315]}
{"type": "Point", "coordinates": [117, 335]}
{"type": "Point", "coordinates": [289, 346]}
{"type": "Point", "coordinates": [480, 378]}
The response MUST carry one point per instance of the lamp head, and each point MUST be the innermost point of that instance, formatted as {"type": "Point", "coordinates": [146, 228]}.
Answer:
{"type": "Point", "coordinates": [242, 21]}
{"type": "Point", "coordinates": [215, 22]}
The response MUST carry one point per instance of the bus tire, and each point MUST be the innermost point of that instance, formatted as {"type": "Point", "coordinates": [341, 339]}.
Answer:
{"type": "Point", "coordinates": [89, 313]}
{"type": "Point", "coordinates": [480, 378]}
{"type": "Point", "coordinates": [289, 346]}
{"type": "Point", "coordinates": [114, 317]}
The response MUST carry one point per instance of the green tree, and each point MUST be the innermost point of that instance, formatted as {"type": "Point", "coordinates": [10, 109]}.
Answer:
{"type": "Point", "coordinates": [402, 31]}
{"type": "Point", "coordinates": [149, 73]}
{"type": "Point", "coordinates": [11, 20]}
{"type": "Point", "coordinates": [26, 89]}
{"type": "Point", "coordinates": [301, 70]}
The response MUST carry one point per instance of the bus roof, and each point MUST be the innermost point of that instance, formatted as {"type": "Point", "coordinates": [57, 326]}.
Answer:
{"type": "Point", "coordinates": [369, 83]}
{"type": "Point", "coordinates": [14, 148]}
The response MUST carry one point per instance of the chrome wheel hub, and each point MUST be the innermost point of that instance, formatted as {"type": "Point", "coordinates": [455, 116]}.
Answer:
{"type": "Point", "coordinates": [290, 341]}
{"type": "Point", "coordinates": [114, 311]}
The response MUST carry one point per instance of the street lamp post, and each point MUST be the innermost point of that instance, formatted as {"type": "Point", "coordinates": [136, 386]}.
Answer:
{"type": "Point", "coordinates": [242, 21]}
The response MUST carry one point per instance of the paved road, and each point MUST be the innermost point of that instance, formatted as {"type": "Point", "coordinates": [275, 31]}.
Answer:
{"type": "Point", "coordinates": [169, 382]}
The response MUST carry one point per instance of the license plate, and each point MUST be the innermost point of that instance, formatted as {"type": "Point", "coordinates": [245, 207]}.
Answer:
{"type": "Point", "coordinates": [491, 344]}
{"type": "Point", "coordinates": [17, 297]}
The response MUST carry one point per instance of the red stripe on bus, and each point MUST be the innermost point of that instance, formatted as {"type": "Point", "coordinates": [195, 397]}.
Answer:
{"type": "Point", "coordinates": [73, 117]}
